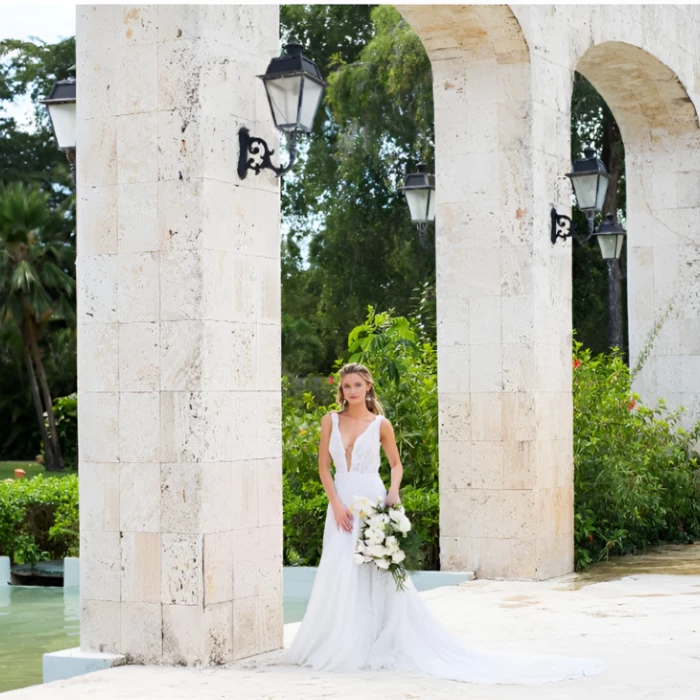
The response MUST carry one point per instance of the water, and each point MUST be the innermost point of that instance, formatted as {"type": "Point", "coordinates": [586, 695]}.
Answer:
{"type": "Point", "coordinates": [35, 620]}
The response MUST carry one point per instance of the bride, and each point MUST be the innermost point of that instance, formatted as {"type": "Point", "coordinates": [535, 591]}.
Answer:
{"type": "Point", "coordinates": [356, 619]}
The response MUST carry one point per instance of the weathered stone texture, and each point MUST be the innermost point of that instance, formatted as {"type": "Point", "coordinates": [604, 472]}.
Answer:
{"type": "Point", "coordinates": [179, 334]}
{"type": "Point", "coordinates": [502, 82]}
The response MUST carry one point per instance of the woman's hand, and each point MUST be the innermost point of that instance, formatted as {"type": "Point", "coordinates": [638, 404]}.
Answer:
{"type": "Point", "coordinates": [343, 517]}
{"type": "Point", "coordinates": [392, 498]}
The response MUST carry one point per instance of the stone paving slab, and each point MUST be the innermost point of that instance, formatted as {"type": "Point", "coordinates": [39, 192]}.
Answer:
{"type": "Point", "coordinates": [645, 627]}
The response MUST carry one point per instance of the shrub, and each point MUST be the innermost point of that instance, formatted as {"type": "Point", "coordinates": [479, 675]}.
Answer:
{"type": "Point", "coordinates": [403, 364]}
{"type": "Point", "coordinates": [637, 477]}
{"type": "Point", "coordinates": [39, 518]}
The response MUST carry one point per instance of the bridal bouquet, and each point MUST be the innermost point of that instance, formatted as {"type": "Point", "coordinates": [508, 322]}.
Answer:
{"type": "Point", "coordinates": [383, 531]}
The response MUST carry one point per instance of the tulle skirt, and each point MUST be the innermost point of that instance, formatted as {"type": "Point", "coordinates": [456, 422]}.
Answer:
{"type": "Point", "coordinates": [357, 620]}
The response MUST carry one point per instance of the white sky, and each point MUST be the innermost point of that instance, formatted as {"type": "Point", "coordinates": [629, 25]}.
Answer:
{"type": "Point", "coordinates": [50, 23]}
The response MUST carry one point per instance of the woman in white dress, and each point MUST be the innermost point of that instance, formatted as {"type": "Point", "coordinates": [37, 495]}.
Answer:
{"type": "Point", "coordinates": [356, 619]}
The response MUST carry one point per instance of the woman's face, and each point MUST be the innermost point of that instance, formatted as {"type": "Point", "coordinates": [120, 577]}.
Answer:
{"type": "Point", "coordinates": [354, 388]}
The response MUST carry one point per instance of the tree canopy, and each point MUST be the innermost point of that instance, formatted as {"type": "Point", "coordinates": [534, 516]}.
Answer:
{"type": "Point", "coordinates": [349, 242]}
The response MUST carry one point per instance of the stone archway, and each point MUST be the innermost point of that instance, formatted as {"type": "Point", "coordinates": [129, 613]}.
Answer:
{"type": "Point", "coordinates": [659, 126]}
{"type": "Point", "coordinates": [178, 273]}
{"type": "Point", "coordinates": [503, 301]}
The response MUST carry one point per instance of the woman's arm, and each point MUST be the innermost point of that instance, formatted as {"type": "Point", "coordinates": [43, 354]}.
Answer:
{"type": "Point", "coordinates": [386, 434]}
{"type": "Point", "coordinates": [343, 517]}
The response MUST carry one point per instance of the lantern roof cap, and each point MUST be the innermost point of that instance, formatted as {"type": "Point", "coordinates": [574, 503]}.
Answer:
{"type": "Point", "coordinates": [293, 62]}
{"type": "Point", "coordinates": [62, 91]}
{"type": "Point", "coordinates": [610, 226]}
{"type": "Point", "coordinates": [420, 179]}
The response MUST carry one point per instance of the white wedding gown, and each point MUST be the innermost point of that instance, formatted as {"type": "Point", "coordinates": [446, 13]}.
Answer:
{"type": "Point", "coordinates": [356, 619]}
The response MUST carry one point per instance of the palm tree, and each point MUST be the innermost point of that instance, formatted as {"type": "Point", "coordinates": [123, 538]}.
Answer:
{"type": "Point", "coordinates": [36, 287]}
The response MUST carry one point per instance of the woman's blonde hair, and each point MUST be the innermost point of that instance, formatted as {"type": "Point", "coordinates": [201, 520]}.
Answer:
{"type": "Point", "coordinates": [371, 400]}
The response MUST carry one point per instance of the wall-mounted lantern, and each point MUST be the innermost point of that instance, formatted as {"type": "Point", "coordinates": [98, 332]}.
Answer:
{"type": "Point", "coordinates": [590, 180]}
{"type": "Point", "coordinates": [61, 107]}
{"type": "Point", "coordinates": [419, 189]}
{"type": "Point", "coordinates": [294, 88]}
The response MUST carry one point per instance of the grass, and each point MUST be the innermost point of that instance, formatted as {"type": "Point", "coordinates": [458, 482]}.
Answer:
{"type": "Point", "coordinates": [32, 468]}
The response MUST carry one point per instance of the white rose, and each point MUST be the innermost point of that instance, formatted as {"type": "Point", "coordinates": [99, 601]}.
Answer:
{"type": "Point", "coordinates": [375, 532]}
{"type": "Point", "coordinates": [384, 518]}
{"type": "Point", "coordinates": [359, 559]}
{"type": "Point", "coordinates": [398, 557]}
{"type": "Point", "coordinates": [395, 514]}
{"type": "Point", "coordinates": [382, 564]}
{"type": "Point", "coordinates": [364, 507]}
{"type": "Point", "coordinates": [377, 551]}
{"type": "Point", "coordinates": [404, 525]}
{"type": "Point", "coordinates": [391, 543]}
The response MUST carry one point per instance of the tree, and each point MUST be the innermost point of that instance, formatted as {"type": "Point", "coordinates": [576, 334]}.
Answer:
{"type": "Point", "coordinates": [342, 205]}
{"type": "Point", "coordinates": [350, 243]}
{"type": "Point", "coordinates": [36, 288]}
{"type": "Point", "coordinates": [592, 122]}
{"type": "Point", "coordinates": [30, 68]}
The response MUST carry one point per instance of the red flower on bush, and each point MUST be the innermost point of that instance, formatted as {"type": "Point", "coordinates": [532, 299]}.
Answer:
{"type": "Point", "coordinates": [577, 364]}
{"type": "Point", "coordinates": [590, 538]}
{"type": "Point", "coordinates": [330, 379]}
{"type": "Point", "coordinates": [631, 405]}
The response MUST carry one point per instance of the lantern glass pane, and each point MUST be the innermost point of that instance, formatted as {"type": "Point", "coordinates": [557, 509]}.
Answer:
{"type": "Point", "coordinates": [602, 191]}
{"type": "Point", "coordinates": [63, 120]}
{"type": "Point", "coordinates": [620, 243]}
{"type": "Point", "coordinates": [608, 244]}
{"type": "Point", "coordinates": [431, 205]}
{"type": "Point", "coordinates": [284, 94]}
{"type": "Point", "coordinates": [586, 190]}
{"type": "Point", "coordinates": [418, 203]}
{"type": "Point", "coordinates": [310, 100]}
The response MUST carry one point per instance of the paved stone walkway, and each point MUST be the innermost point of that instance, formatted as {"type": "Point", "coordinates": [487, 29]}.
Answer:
{"type": "Point", "coordinates": [644, 625]}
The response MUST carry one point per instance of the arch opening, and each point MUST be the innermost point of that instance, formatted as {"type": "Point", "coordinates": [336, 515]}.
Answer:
{"type": "Point", "coordinates": [649, 101]}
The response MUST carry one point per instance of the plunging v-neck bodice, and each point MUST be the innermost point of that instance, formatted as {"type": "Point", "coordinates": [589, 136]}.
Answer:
{"type": "Point", "coordinates": [364, 452]}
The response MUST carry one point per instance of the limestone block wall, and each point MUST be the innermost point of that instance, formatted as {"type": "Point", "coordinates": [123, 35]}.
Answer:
{"type": "Point", "coordinates": [502, 80]}
{"type": "Point", "coordinates": [178, 335]}
{"type": "Point", "coordinates": [504, 297]}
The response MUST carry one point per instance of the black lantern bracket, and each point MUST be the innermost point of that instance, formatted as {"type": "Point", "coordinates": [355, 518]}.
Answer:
{"type": "Point", "coordinates": [563, 227]}
{"type": "Point", "coordinates": [254, 154]}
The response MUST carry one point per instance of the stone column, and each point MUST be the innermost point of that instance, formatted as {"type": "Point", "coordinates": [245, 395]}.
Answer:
{"type": "Point", "coordinates": [503, 296]}
{"type": "Point", "coordinates": [663, 264]}
{"type": "Point", "coordinates": [179, 335]}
